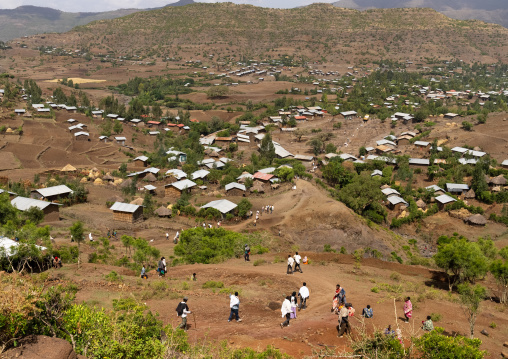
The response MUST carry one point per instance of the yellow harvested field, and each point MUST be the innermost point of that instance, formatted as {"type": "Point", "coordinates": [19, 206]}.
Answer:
{"type": "Point", "coordinates": [78, 80]}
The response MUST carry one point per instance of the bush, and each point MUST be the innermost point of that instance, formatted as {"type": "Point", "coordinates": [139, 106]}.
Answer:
{"type": "Point", "coordinates": [328, 248]}
{"type": "Point", "coordinates": [436, 317]}
{"type": "Point", "coordinates": [259, 262]}
{"type": "Point", "coordinates": [212, 284]}
{"type": "Point", "coordinates": [374, 290]}
{"type": "Point", "coordinates": [199, 245]}
{"type": "Point", "coordinates": [113, 277]}
{"type": "Point", "coordinates": [259, 249]}
{"type": "Point", "coordinates": [436, 345]}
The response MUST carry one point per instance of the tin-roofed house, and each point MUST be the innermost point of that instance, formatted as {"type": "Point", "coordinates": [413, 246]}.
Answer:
{"type": "Point", "coordinates": [51, 193]}
{"type": "Point", "coordinates": [457, 188]}
{"type": "Point", "coordinates": [51, 210]}
{"type": "Point", "coordinates": [222, 205]}
{"type": "Point", "coordinates": [125, 212]}
{"type": "Point", "coordinates": [141, 161]}
{"type": "Point", "coordinates": [235, 189]}
{"type": "Point", "coordinates": [396, 203]}
{"type": "Point", "coordinates": [176, 189]}
{"type": "Point", "coordinates": [443, 200]}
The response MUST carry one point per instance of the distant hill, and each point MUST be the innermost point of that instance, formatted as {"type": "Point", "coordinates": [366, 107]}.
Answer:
{"type": "Point", "coordinates": [493, 11]}
{"type": "Point", "coordinates": [316, 32]}
{"type": "Point", "coordinates": [30, 20]}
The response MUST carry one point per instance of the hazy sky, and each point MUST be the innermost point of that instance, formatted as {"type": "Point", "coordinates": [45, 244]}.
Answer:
{"type": "Point", "coordinates": [102, 5]}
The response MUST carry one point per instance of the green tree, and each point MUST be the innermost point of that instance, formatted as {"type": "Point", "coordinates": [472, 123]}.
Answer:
{"type": "Point", "coordinates": [267, 149]}
{"type": "Point", "coordinates": [156, 111]}
{"type": "Point", "coordinates": [461, 260]}
{"type": "Point", "coordinates": [34, 215]}
{"type": "Point", "coordinates": [468, 126]}
{"type": "Point", "coordinates": [316, 144]}
{"type": "Point", "coordinates": [215, 92]}
{"type": "Point", "coordinates": [118, 128]}
{"type": "Point", "coordinates": [77, 233]}
{"type": "Point", "coordinates": [148, 205]}
{"type": "Point", "coordinates": [499, 270]}
{"type": "Point", "coordinates": [436, 345]}
{"type": "Point", "coordinates": [330, 148]}
{"type": "Point", "coordinates": [336, 175]}
{"type": "Point", "coordinates": [244, 207]}
{"type": "Point", "coordinates": [361, 193]}
{"type": "Point", "coordinates": [471, 298]}
{"type": "Point", "coordinates": [299, 133]}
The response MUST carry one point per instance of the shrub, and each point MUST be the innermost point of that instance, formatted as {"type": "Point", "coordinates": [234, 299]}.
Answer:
{"type": "Point", "coordinates": [259, 262]}
{"type": "Point", "coordinates": [259, 249]}
{"type": "Point", "coordinates": [343, 250]}
{"type": "Point", "coordinates": [212, 284]}
{"type": "Point", "coordinates": [113, 277]}
{"type": "Point", "coordinates": [436, 317]}
{"type": "Point", "coordinates": [328, 248]}
{"type": "Point", "coordinates": [374, 290]}
{"type": "Point", "coordinates": [395, 276]}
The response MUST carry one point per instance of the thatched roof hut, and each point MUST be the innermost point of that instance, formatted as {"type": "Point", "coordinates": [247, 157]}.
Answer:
{"type": "Point", "coordinates": [115, 199]}
{"type": "Point", "coordinates": [163, 212]}
{"type": "Point", "coordinates": [68, 168]}
{"type": "Point", "coordinates": [421, 204]}
{"type": "Point", "coordinates": [498, 180]}
{"type": "Point", "coordinates": [470, 194]}
{"type": "Point", "coordinates": [258, 186]}
{"type": "Point", "coordinates": [137, 201]}
{"type": "Point", "coordinates": [208, 151]}
{"type": "Point", "coordinates": [476, 219]}
{"type": "Point", "coordinates": [150, 178]}
{"type": "Point", "coordinates": [108, 178]}
{"type": "Point", "coordinates": [126, 183]}
{"type": "Point", "coordinates": [214, 154]}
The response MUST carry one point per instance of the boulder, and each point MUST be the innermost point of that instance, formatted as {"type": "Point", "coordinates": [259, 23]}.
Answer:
{"type": "Point", "coordinates": [42, 347]}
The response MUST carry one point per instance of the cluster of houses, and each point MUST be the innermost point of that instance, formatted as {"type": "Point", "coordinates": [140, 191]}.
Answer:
{"type": "Point", "coordinates": [46, 199]}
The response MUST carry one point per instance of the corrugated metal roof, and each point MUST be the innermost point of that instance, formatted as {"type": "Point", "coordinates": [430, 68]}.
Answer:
{"type": "Point", "coordinates": [235, 185]}
{"type": "Point", "coordinates": [179, 174]}
{"type": "Point", "coordinates": [124, 207]}
{"type": "Point", "coordinates": [183, 184]}
{"type": "Point", "coordinates": [244, 175]}
{"type": "Point", "coordinates": [419, 161]}
{"type": "Point", "coordinates": [222, 205]}
{"type": "Point", "coordinates": [435, 188]}
{"type": "Point", "coordinates": [456, 187]}
{"type": "Point", "coordinates": [23, 203]}
{"type": "Point", "coordinates": [217, 164]}
{"type": "Point", "coordinates": [8, 246]}
{"type": "Point", "coordinates": [150, 187]}
{"type": "Point", "coordinates": [445, 199]}
{"type": "Point", "coordinates": [199, 174]}
{"type": "Point", "coordinates": [82, 133]}
{"type": "Point", "coordinates": [141, 158]}
{"type": "Point", "coordinates": [396, 200]}
{"type": "Point", "coordinates": [459, 149]}
{"type": "Point", "coordinates": [376, 173]}
{"type": "Point", "coordinates": [389, 191]}
{"type": "Point", "coordinates": [267, 170]}
{"type": "Point", "coordinates": [304, 158]}
{"type": "Point", "coordinates": [53, 191]}
{"type": "Point", "coordinates": [262, 176]}
{"type": "Point", "coordinates": [504, 163]}
{"type": "Point", "coordinates": [422, 143]}
{"type": "Point", "coordinates": [348, 113]}
{"type": "Point", "coordinates": [4, 191]}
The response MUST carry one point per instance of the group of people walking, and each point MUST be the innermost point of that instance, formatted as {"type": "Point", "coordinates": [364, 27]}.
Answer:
{"type": "Point", "coordinates": [290, 304]}
{"type": "Point", "coordinates": [295, 261]}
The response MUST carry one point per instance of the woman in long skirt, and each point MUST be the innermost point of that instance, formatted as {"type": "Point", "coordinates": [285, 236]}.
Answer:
{"type": "Point", "coordinates": [294, 305]}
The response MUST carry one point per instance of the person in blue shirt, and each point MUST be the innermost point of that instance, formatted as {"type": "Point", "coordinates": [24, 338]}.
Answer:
{"type": "Point", "coordinates": [367, 312]}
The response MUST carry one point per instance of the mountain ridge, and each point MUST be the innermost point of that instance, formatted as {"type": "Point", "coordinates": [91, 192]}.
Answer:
{"type": "Point", "coordinates": [245, 30]}
{"type": "Point", "coordinates": [28, 20]}
{"type": "Point", "coordinates": [492, 11]}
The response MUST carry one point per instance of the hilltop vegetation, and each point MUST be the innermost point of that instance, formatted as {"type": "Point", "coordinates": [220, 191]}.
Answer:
{"type": "Point", "coordinates": [318, 32]}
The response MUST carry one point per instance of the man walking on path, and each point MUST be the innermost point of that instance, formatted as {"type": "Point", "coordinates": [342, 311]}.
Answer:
{"type": "Point", "coordinates": [182, 310]}
{"type": "Point", "coordinates": [246, 253]}
{"type": "Point", "coordinates": [343, 320]}
{"type": "Point", "coordinates": [304, 295]}
{"type": "Point", "coordinates": [286, 312]}
{"type": "Point", "coordinates": [167, 236]}
{"type": "Point", "coordinates": [234, 304]}
{"type": "Point", "coordinates": [290, 265]}
{"type": "Point", "coordinates": [298, 259]}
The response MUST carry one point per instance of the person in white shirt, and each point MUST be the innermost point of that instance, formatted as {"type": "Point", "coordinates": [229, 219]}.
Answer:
{"type": "Point", "coordinates": [234, 305]}
{"type": "Point", "coordinates": [290, 265]}
{"type": "Point", "coordinates": [286, 312]}
{"type": "Point", "coordinates": [90, 237]}
{"type": "Point", "coordinates": [304, 295]}
{"type": "Point", "coordinates": [182, 311]}
{"type": "Point", "coordinates": [167, 236]}
{"type": "Point", "coordinates": [298, 259]}
{"type": "Point", "coordinates": [294, 305]}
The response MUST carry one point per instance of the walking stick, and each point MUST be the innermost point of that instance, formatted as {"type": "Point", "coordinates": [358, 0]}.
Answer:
{"type": "Point", "coordinates": [194, 316]}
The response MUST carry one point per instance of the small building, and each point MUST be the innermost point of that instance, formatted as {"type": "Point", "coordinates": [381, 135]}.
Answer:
{"type": "Point", "coordinates": [438, 191]}
{"type": "Point", "coordinates": [396, 203]}
{"type": "Point", "coordinates": [422, 145]}
{"type": "Point", "coordinates": [200, 174]}
{"type": "Point", "coordinates": [476, 220]}
{"type": "Point", "coordinates": [82, 136]}
{"type": "Point", "coordinates": [263, 177]}
{"type": "Point", "coordinates": [126, 212]}
{"type": "Point", "coordinates": [175, 175]}
{"type": "Point", "coordinates": [457, 188]}
{"type": "Point", "coordinates": [11, 194]}
{"type": "Point", "coordinates": [163, 212]}
{"type": "Point", "coordinates": [120, 140]}
{"type": "Point", "coordinates": [348, 115]}
{"type": "Point", "coordinates": [222, 205]}
{"type": "Point", "coordinates": [419, 162]}
{"type": "Point", "coordinates": [19, 111]}
{"type": "Point", "coordinates": [51, 210]}
{"type": "Point", "coordinates": [389, 192]}
{"type": "Point", "coordinates": [376, 173]}
{"type": "Point", "coordinates": [504, 164]}
{"type": "Point", "coordinates": [176, 189]}
{"type": "Point", "coordinates": [403, 140]}
{"type": "Point", "coordinates": [51, 193]}
{"type": "Point", "coordinates": [103, 139]}
{"type": "Point", "coordinates": [141, 161]}
{"type": "Point", "coordinates": [150, 188]}
{"type": "Point", "coordinates": [443, 200]}
{"type": "Point", "coordinates": [235, 189]}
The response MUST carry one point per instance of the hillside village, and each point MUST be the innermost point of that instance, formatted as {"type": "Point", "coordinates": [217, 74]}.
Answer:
{"type": "Point", "coordinates": [378, 172]}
